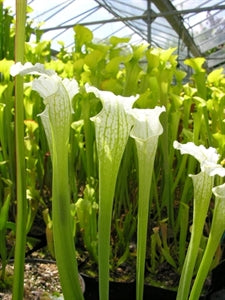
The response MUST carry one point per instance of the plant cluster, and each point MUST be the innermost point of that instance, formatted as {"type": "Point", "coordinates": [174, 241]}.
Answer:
{"type": "Point", "coordinates": [100, 160]}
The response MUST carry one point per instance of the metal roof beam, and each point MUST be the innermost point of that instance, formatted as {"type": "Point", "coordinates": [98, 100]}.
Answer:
{"type": "Point", "coordinates": [176, 21]}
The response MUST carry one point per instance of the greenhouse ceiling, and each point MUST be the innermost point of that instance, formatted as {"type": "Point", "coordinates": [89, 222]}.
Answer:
{"type": "Point", "coordinates": [194, 27]}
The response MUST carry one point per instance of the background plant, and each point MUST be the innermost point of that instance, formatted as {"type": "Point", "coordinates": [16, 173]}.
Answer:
{"type": "Point", "coordinates": [21, 214]}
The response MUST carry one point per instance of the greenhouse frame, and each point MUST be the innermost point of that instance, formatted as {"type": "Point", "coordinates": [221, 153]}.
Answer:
{"type": "Point", "coordinates": [194, 27]}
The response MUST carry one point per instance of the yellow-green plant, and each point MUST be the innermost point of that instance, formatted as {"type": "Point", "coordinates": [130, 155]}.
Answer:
{"type": "Point", "coordinates": [194, 112]}
{"type": "Point", "coordinates": [112, 127]}
{"type": "Point", "coordinates": [203, 184]}
{"type": "Point", "coordinates": [216, 231]}
{"type": "Point", "coordinates": [145, 132]}
{"type": "Point", "coordinates": [20, 157]}
{"type": "Point", "coordinates": [56, 118]}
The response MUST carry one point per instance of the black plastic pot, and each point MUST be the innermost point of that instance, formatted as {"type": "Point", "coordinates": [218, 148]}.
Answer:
{"type": "Point", "coordinates": [217, 291]}
{"type": "Point", "coordinates": [126, 291]}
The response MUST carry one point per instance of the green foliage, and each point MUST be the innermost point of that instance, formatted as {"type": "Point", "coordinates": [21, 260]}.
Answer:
{"type": "Point", "coordinates": [6, 33]}
{"type": "Point", "coordinates": [86, 210]}
{"type": "Point", "coordinates": [194, 112]}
